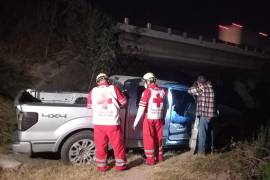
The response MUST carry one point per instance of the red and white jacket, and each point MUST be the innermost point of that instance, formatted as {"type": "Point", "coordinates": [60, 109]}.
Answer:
{"type": "Point", "coordinates": [151, 103]}
{"type": "Point", "coordinates": [105, 101]}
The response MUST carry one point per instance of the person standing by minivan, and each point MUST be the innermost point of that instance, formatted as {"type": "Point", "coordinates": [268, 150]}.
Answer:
{"type": "Point", "coordinates": [205, 110]}
{"type": "Point", "coordinates": [151, 107]}
{"type": "Point", "coordinates": [105, 101]}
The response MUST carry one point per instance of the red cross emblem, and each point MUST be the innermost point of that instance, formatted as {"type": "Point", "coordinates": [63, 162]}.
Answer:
{"type": "Point", "coordinates": [105, 102]}
{"type": "Point", "coordinates": [158, 100]}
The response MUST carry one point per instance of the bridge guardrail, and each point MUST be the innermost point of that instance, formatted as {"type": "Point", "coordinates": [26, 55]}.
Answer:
{"type": "Point", "coordinates": [201, 39]}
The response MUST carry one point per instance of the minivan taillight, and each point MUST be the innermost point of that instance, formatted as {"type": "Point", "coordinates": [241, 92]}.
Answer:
{"type": "Point", "coordinates": [27, 120]}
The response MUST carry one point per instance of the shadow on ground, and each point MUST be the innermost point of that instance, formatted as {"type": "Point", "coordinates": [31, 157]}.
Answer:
{"type": "Point", "coordinates": [46, 155]}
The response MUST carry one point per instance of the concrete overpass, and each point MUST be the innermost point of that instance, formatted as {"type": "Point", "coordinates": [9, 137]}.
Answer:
{"type": "Point", "coordinates": [167, 45]}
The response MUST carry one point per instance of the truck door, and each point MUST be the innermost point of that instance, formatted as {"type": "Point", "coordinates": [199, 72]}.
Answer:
{"type": "Point", "coordinates": [134, 89]}
{"type": "Point", "coordinates": [181, 107]}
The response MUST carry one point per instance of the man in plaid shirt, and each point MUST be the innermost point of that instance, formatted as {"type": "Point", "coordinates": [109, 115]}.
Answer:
{"type": "Point", "coordinates": [205, 108]}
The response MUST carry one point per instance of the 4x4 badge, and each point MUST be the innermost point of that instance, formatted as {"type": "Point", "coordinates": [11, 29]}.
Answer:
{"type": "Point", "coordinates": [54, 115]}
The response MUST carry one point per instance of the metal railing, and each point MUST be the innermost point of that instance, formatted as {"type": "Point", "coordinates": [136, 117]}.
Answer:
{"type": "Point", "coordinates": [201, 38]}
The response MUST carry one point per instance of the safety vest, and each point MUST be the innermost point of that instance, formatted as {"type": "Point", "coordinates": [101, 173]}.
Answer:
{"type": "Point", "coordinates": [155, 104]}
{"type": "Point", "coordinates": [105, 108]}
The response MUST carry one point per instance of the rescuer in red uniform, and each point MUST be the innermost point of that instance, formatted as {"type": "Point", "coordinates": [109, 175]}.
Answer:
{"type": "Point", "coordinates": [151, 106]}
{"type": "Point", "coordinates": [105, 101]}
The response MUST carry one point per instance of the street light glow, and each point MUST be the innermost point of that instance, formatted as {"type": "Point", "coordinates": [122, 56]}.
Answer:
{"type": "Point", "coordinates": [223, 27]}
{"type": "Point", "coordinates": [263, 34]}
{"type": "Point", "coordinates": [237, 25]}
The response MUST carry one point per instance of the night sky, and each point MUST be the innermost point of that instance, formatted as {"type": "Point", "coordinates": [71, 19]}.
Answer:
{"type": "Point", "coordinates": [200, 17]}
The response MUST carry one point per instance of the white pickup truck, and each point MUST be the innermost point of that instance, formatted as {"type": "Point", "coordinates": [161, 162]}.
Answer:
{"type": "Point", "coordinates": [60, 121]}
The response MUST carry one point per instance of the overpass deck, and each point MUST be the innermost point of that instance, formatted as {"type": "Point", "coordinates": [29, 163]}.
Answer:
{"type": "Point", "coordinates": [166, 46]}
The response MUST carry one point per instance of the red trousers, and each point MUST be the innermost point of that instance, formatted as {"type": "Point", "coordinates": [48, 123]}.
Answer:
{"type": "Point", "coordinates": [104, 134]}
{"type": "Point", "coordinates": [152, 140]}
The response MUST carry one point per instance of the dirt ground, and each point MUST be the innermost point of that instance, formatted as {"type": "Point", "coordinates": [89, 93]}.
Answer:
{"type": "Point", "coordinates": [178, 165]}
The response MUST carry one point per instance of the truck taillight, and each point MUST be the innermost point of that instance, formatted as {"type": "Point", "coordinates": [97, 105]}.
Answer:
{"type": "Point", "coordinates": [27, 120]}
{"type": "Point", "coordinates": [20, 118]}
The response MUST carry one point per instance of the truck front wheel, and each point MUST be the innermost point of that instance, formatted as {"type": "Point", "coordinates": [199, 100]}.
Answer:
{"type": "Point", "coordinates": [79, 149]}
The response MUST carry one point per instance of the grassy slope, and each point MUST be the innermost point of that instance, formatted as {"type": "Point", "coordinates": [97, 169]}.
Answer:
{"type": "Point", "coordinates": [188, 166]}
{"type": "Point", "coordinates": [183, 166]}
{"type": "Point", "coordinates": [7, 122]}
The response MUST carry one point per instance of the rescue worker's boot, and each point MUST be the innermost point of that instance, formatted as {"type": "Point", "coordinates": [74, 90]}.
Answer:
{"type": "Point", "coordinates": [120, 163]}
{"type": "Point", "coordinates": [150, 161]}
{"type": "Point", "coordinates": [160, 158]}
{"type": "Point", "coordinates": [121, 168]}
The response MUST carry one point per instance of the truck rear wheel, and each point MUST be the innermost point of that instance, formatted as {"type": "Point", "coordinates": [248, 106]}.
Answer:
{"type": "Point", "coordinates": [79, 149]}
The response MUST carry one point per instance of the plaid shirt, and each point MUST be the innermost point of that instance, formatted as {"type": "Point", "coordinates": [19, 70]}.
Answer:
{"type": "Point", "coordinates": [205, 99]}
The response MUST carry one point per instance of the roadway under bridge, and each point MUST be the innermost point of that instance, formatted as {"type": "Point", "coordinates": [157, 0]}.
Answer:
{"type": "Point", "coordinates": [168, 46]}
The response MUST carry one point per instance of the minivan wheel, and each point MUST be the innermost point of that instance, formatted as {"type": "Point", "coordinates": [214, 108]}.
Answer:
{"type": "Point", "coordinates": [79, 149]}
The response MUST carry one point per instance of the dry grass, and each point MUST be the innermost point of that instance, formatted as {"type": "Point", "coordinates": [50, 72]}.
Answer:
{"type": "Point", "coordinates": [183, 166]}
{"type": "Point", "coordinates": [187, 166]}
{"type": "Point", "coordinates": [7, 122]}
{"type": "Point", "coordinates": [256, 155]}
{"type": "Point", "coordinates": [57, 171]}
{"type": "Point", "coordinates": [46, 169]}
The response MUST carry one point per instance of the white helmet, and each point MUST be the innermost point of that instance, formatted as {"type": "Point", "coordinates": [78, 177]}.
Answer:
{"type": "Point", "coordinates": [149, 77]}
{"type": "Point", "coordinates": [101, 76]}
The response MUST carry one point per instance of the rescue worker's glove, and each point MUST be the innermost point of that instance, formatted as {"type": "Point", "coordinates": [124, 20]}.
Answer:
{"type": "Point", "coordinates": [138, 116]}
{"type": "Point", "coordinates": [133, 127]}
